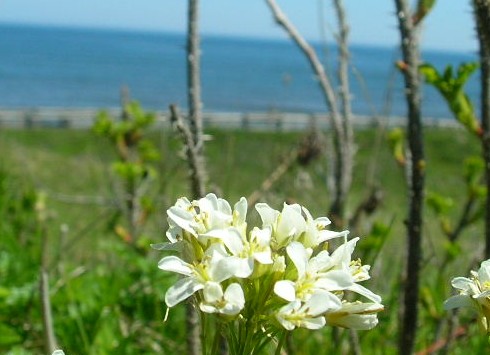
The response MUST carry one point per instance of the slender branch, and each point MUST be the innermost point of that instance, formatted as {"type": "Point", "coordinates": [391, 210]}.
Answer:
{"type": "Point", "coordinates": [342, 162]}
{"type": "Point", "coordinates": [194, 73]}
{"type": "Point", "coordinates": [415, 175]}
{"type": "Point", "coordinates": [194, 158]}
{"type": "Point", "coordinates": [345, 97]}
{"type": "Point", "coordinates": [482, 17]}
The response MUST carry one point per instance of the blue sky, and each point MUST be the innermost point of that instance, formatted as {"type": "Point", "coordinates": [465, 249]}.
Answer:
{"type": "Point", "coordinates": [449, 27]}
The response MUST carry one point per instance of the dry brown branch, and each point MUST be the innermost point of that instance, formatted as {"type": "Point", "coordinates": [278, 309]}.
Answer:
{"type": "Point", "coordinates": [345, 96]}
{"type": "Point", "coordinates": [415, 177]}
{"type": "Point", "coordinates": [194, 73]}
{"type": "Point", "coordinates": [194, 158]}
{"type": "Point", "coordinates": [342, 157]}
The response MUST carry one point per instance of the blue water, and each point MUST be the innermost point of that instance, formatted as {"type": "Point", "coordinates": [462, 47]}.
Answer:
{"type": "Point", "coordinates": [42, 66]}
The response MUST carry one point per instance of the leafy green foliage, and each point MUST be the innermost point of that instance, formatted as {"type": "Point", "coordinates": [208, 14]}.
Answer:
{"type": "Point", "coordinates": [136, 153]}
{"type": "Point", "coordinates": [451, 86]}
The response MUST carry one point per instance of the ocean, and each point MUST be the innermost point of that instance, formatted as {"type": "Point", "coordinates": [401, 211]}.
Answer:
{"type": "Point", "coordinates": [81, 68]}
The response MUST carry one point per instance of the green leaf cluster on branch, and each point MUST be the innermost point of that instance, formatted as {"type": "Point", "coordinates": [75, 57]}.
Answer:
{"type": "Point", "coordinates": [451, 86]}
{"type": "Point", "coordinates": [136, 153]}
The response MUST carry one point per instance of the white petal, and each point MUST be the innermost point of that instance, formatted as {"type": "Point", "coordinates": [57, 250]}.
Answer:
{"type": "Point", "coordinates": [175, 264]}
{"type": "Point", "coordinates": [285, 311]}
{"type": "Point", "coordinates": [267, 214]}
{"type": "Point", "coordinates": [342, 255]}
{"type": "Point", "coordinates": [321, 302]}
{"type": "Point", "coordinates": [325, 235]}
{"type": "Point", "coordinates": [261, 236]}
{"type": "Point", "coordinates": [353, 321]}
{"type": "Point", "coordinates": [465, 284]}
{"type": "Point", "coordinates": [182, 218]}
{"type": "Point", "coordinates": [290, 223]}
{"type": "Point", "coordinates": [459, 301]}
{"type": "Point", "coordinates": [224, 207]}
{"type": "Point", "coordinates": [363, 291]}
{"type": "Point", "coordinates": [313, 323]}
{"type": "Point", "coordinates": [58, 352]}
{"type": "Point", "coordinates": [263, 257]}
{"type": "Point", "coordinates": [285, 289]}
{"type": "Point", "coordinates": [183, 289]}
{"type": "Point", "coordinates": [212, 292]}
{"type": "Point", "coordinates": [321, 262]}
{"type": "Point", "coordinates": [208, 308]}
{"type": "Point", "coordinates": [322, 222]}
{"type": "Point", "coordinates": [235, 299]}
{"type": "Point", "coordinates": [240, 208]}
{"type": "Point", "coordinates": [484, 271]}
{"type": "Point", "coordinates": [298, 254]}
{"type": "Point", "coordinates": [230, 237]}
{"type": "Point", "coordinates": [233, 266]}
{"type": "Point", "coordinates": [335, 280]}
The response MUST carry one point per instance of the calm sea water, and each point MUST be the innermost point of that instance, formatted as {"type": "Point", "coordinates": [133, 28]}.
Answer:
{"type": "Point", "coordinates": [41, 66]}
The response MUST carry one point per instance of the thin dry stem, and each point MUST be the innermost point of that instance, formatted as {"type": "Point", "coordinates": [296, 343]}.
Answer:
{"type": "Point", "coordinates": [342, 164]}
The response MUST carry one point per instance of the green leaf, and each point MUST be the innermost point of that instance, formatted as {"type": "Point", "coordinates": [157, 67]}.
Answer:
{"type": "Point", "coordinates": [451, 87]}
{"type": "Point", "coordinates": [396, 139]}
{"type": "Point", "coordinates": [438, 203]}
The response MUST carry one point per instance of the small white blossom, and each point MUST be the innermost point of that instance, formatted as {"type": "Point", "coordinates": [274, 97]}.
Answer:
{"type": "Point", "coordinates": [474, 293]}
{"type": "Point", "coordinates": [216, 266]}
{"type": "Point", "coordinates": [357, 315]}
{"type": "Point", "coordinates": [309, 314]}
{"type": "Point", "coordinates": [231, 302]}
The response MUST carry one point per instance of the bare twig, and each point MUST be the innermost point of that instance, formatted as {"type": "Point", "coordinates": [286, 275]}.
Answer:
{"type": "Point", "coordinates": [194, 157]}
{"type": "Point", "coordinates": [415, 177]}
{"type": "Point", "coordinates": [345, 96]}
{"type": "Point", "coordinates": [194, 73]}
{"type": "Point", "coordinates": [342, 163]}
{"type": "Point", "coordinates": [482, 18]}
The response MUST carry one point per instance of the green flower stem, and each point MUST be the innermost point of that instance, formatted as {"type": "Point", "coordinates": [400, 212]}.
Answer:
{"type": "Point", "coordinates": [282, 341]}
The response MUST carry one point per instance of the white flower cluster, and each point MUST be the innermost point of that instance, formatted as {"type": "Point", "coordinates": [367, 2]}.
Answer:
{"type": "Point", "coordinates": [473, 293]}
{"type": "Point", "coordinates": [281, 269]}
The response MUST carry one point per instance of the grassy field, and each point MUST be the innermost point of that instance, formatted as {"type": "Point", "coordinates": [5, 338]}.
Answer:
{"type": "Point", "coordinates": [108, 298]}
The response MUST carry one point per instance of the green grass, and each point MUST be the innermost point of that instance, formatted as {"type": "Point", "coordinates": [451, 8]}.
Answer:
{"type": "Point", "coordinates": [107, 296]}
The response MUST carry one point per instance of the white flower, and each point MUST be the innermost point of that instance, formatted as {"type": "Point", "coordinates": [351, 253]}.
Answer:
{"type": "Point", "coordinates": [204, 215]}
{"type": "Point", "coordinates": [216, 266]}
{"type": "Point", "coordinates": [359, 316]}
{"type": "Point", "coordinates": [295, 223]}
{"type": "Point", "coordinates": [474, 293]}
{"type": "Point", "coordinates": [320, 272]}
{"type": "Point", "coordinates": [58, 352]}
{"type": "Point", "coordinates": [231, 302]}
{"type": "Point", "coordinates": [257, 248]}
{"type": "Point", "coordinates": [286, 225]}
{"type": "Point", "coordinates": [308, 314]}
{"type": "Point", "coordinates": [316, 231]}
